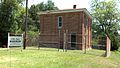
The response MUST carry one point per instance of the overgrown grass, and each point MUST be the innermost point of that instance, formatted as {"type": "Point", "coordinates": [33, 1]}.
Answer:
{"type": "Point", "coordinates": [51, 58]}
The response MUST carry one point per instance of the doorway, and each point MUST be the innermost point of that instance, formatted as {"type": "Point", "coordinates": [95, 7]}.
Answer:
{"type": "Point", "coordinates": [73, 40]}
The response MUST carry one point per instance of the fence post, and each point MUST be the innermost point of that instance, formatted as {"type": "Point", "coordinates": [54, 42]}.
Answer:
{"type": "Point", "coordinates": [66, 40]}
{"type": "Point", "coordinates": [85, 44]}
{"type": "Point", "coordinates": [64, 45]}
{"type": "Point", "coordinates": [85, 35]}
{"type": "Point", "coordinates": [39, 41]}
{"type": "Point", "coordinates": [59, 40]}
{"type": "Point", "coordinates": [8, 40]}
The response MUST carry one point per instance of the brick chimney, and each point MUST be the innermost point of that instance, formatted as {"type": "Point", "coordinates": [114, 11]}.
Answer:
{"type": "Point", "coordinates": [74, 6]}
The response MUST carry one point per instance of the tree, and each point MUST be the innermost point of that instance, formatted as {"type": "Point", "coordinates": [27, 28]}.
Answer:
{"type": "Point", "coordinates": [40, 7]}
{"type": "Point", "coordinates": [18, 26]}
{"type": "Point", "coordinates": [8, 17]}
{"type": "Point", "coordinates": [33, 18]}
{"type": "Point", "coordinates": [106, 18]}
{"type": "Point", "coordinates": [50, 5]}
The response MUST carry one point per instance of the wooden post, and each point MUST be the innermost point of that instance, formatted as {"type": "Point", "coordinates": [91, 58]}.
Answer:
{"type": "Point", "coordinates": [26, 17]}
{"type": "Point", "coordinates": [85, 44]}
{"type": "Point", "coordinates": [66, 40]}
{"type": "Point", "coordinates": [39, 41]}
{"type": "Point", "coordinates": [108, 46]}
{"type": "Point", "coordinates": [64, 45]}
{"type": "Point", "coordinates": [8, 40]}
{"type": "Point", "coordinates": [85, 38]}
{"type": "Point", "coordinates": [59, 40]}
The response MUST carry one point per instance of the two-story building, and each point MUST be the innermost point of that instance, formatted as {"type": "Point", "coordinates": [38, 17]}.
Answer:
{"type": "Point", "coordinates": [75, 22]}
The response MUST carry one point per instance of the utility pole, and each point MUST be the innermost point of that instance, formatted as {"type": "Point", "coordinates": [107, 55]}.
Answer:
{"type": "Point", "coordinates": [26, 15]}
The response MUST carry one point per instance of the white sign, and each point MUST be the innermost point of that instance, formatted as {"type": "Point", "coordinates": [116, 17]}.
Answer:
{"type": "Point", "coordinates": [15, 40]}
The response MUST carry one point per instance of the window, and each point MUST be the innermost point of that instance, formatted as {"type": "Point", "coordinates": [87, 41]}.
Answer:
{"type": "Point", "coordinates": [60, 22]}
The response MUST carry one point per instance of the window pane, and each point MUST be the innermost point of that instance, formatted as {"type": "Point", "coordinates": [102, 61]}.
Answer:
{"type": "Point", "coordinates": [60, 21]}
{"type": "Point", "coordinates": [60, 24]}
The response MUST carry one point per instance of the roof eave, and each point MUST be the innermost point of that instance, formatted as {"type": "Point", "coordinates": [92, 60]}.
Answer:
{"type": "Point", "coordinates": [65, 11]}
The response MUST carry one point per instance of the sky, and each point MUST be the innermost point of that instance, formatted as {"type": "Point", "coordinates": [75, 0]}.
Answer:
{"type": "Point", "coordinates": [64, 4]}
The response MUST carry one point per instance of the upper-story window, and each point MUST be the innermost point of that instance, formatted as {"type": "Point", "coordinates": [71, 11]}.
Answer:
{"type": "Point", "coordinates": [60, 22]}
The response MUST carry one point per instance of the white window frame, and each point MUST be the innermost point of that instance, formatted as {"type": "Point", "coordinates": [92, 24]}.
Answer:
{"type": "Point", "coordinates": [59, 27]}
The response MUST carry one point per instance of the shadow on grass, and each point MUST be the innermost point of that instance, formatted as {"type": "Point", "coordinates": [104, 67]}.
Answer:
{"type": "Point", "coordinates": [100, 55]}
{"type": "Point", "coordinates": [41, 49]}
{"type": "Point", "coordinates": [95, 52]}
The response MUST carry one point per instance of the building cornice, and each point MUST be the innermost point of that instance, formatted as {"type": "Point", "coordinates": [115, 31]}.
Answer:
{"type": "Point", "coordinates": [65, 11]}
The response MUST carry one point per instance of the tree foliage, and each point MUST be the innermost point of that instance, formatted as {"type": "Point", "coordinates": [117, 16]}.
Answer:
{"type": "Point", "coordinates": [12, 15]}
{"type": "Point", "coordinates": [40, 7]}
{"type": "Point", "coordinates": [33, 18]}
{"type": "Point", "coordinates": [9, 14]}
{"type": "Point", "coordinates": [106, 19]}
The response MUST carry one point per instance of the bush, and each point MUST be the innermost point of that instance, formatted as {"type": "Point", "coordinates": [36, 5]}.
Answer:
{"type": "Point", "coordinates": [33, 38]}
{"type": "Point", "coordinates": [115, 43]}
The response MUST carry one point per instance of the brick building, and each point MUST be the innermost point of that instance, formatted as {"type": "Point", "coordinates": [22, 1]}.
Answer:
{"type": "Point", "coordinates": [74, 23]}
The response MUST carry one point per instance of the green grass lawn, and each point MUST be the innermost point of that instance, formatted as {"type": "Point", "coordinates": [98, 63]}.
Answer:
{"type": "Point", "coordinates": [51, 58]}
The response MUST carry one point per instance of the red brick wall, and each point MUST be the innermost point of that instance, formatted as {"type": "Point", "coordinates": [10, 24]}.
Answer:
{"type": "Point", "coordinates": [73, 22]}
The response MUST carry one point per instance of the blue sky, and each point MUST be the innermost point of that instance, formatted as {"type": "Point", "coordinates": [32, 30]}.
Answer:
{"type": "Point", "coordinates": [64, 4]}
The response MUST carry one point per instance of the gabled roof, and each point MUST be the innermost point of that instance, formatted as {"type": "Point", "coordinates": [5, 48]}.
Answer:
{"type": "Point", "coordinates": [65, 11]}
